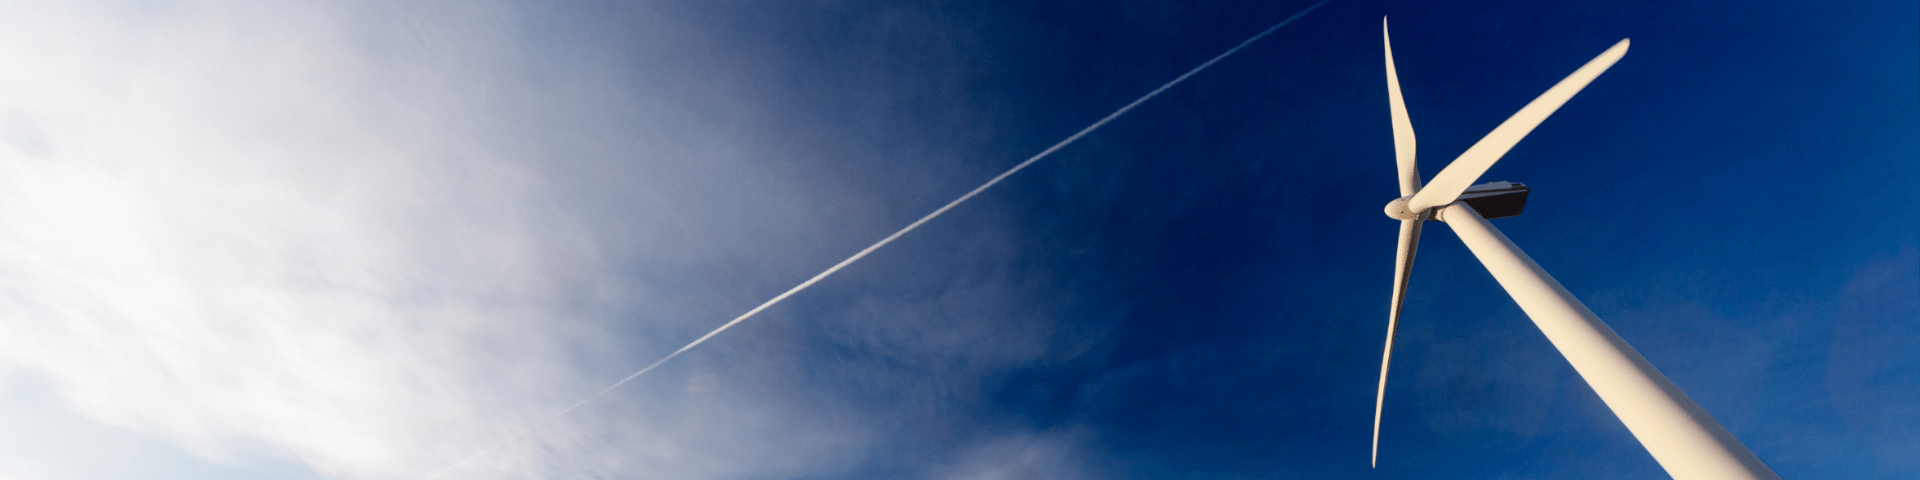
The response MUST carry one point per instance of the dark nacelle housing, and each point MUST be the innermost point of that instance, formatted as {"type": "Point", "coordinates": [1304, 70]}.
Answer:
{"type": "Point", "coordinates": [1497, 199]}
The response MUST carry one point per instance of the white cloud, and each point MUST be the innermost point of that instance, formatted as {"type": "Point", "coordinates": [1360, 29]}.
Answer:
{"type": "Point", "coordinates": [360, 238]}
{"type": "Point", "coordinates": [235, 230]}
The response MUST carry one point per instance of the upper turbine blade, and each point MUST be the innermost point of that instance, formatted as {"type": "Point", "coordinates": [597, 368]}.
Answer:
{"type": "Point", "coordinates": [1402, 127]}
{"type": "Point", "coordinates": [1460, 174]}
{"type": "Point", "coordinates": [1402, 270]}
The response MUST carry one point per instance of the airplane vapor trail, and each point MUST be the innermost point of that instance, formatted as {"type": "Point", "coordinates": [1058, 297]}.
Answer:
{"type": "Point", "coordinates": [890, 238]}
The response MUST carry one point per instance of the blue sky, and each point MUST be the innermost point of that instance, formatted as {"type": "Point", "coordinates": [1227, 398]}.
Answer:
{"type": "Point", "coordinates": [363, 240]}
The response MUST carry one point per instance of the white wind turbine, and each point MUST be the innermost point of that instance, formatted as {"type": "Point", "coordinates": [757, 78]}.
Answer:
{"type": "Point", "coordinates": [1686, 441]}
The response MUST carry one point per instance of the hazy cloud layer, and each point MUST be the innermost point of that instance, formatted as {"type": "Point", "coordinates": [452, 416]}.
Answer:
{"type": "Point", "coordinates": [341, 235]}
{"type": "Point", "coordinates": [239, 231]}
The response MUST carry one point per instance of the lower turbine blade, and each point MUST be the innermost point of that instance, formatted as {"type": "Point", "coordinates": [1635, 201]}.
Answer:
{"type": "Point", "coordinates": [1402, 270]}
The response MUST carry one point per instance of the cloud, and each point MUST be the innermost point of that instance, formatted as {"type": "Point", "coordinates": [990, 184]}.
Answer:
{"type": "Point", "coordinates": [373, 239]}
{"type": "Point", "coordinates": [1873, 325]}
{"type": "Point", "coordinates": [1056, 455]}
{"type": "Point", "coordinates": [234, 229]}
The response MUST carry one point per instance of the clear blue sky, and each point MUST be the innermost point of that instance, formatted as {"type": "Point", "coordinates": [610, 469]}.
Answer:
{"type": "Point", "coordinates": [559, 195]}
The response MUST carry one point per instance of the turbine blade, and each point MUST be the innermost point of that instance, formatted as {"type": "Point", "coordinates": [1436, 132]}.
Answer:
{"type": "Point", "coordinates": [1466, 169]}
{"type": "Point", "coordinates": [1403, 142]}
{"type": "Point", "coordinates": [1402, 270]}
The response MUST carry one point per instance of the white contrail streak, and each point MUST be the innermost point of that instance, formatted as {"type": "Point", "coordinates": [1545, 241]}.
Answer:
{"type": "Point", "coordinates": [890, 238]}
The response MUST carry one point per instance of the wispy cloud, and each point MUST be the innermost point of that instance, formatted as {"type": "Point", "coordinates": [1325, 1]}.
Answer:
{"type": "Point", "coordinates": [1041, 455]}
{"type": "Point", "coordinates": [372, 239]}
{"type": "Point", "coordinates": [239, 230]}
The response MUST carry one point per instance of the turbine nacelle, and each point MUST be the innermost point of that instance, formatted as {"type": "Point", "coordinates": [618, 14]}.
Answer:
{"type": "Point", "coordinates": [1491, 199]}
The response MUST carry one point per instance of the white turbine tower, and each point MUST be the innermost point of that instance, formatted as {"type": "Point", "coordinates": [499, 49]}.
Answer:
{"type": "Point", "coordinates": [1686, 441]}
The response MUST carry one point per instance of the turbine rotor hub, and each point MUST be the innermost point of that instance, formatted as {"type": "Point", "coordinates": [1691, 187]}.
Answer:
{"type": "Point", "coordinates": [1397, 210]}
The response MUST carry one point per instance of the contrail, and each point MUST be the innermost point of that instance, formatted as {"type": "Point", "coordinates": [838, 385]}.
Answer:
{"type": "Point", "coordinates": [890, 238]}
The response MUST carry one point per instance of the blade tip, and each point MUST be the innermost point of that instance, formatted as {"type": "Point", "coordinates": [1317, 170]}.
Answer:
{"type": "Point", "coordinates": [1619, 49]}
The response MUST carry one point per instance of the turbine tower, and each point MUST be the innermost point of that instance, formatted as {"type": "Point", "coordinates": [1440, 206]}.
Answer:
{"type": "Point", "coordinates": [1686, 441]}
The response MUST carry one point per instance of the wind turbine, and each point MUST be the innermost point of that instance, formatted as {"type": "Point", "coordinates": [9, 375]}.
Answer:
{"type": "Point", "coordinates": [1686, 441]}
